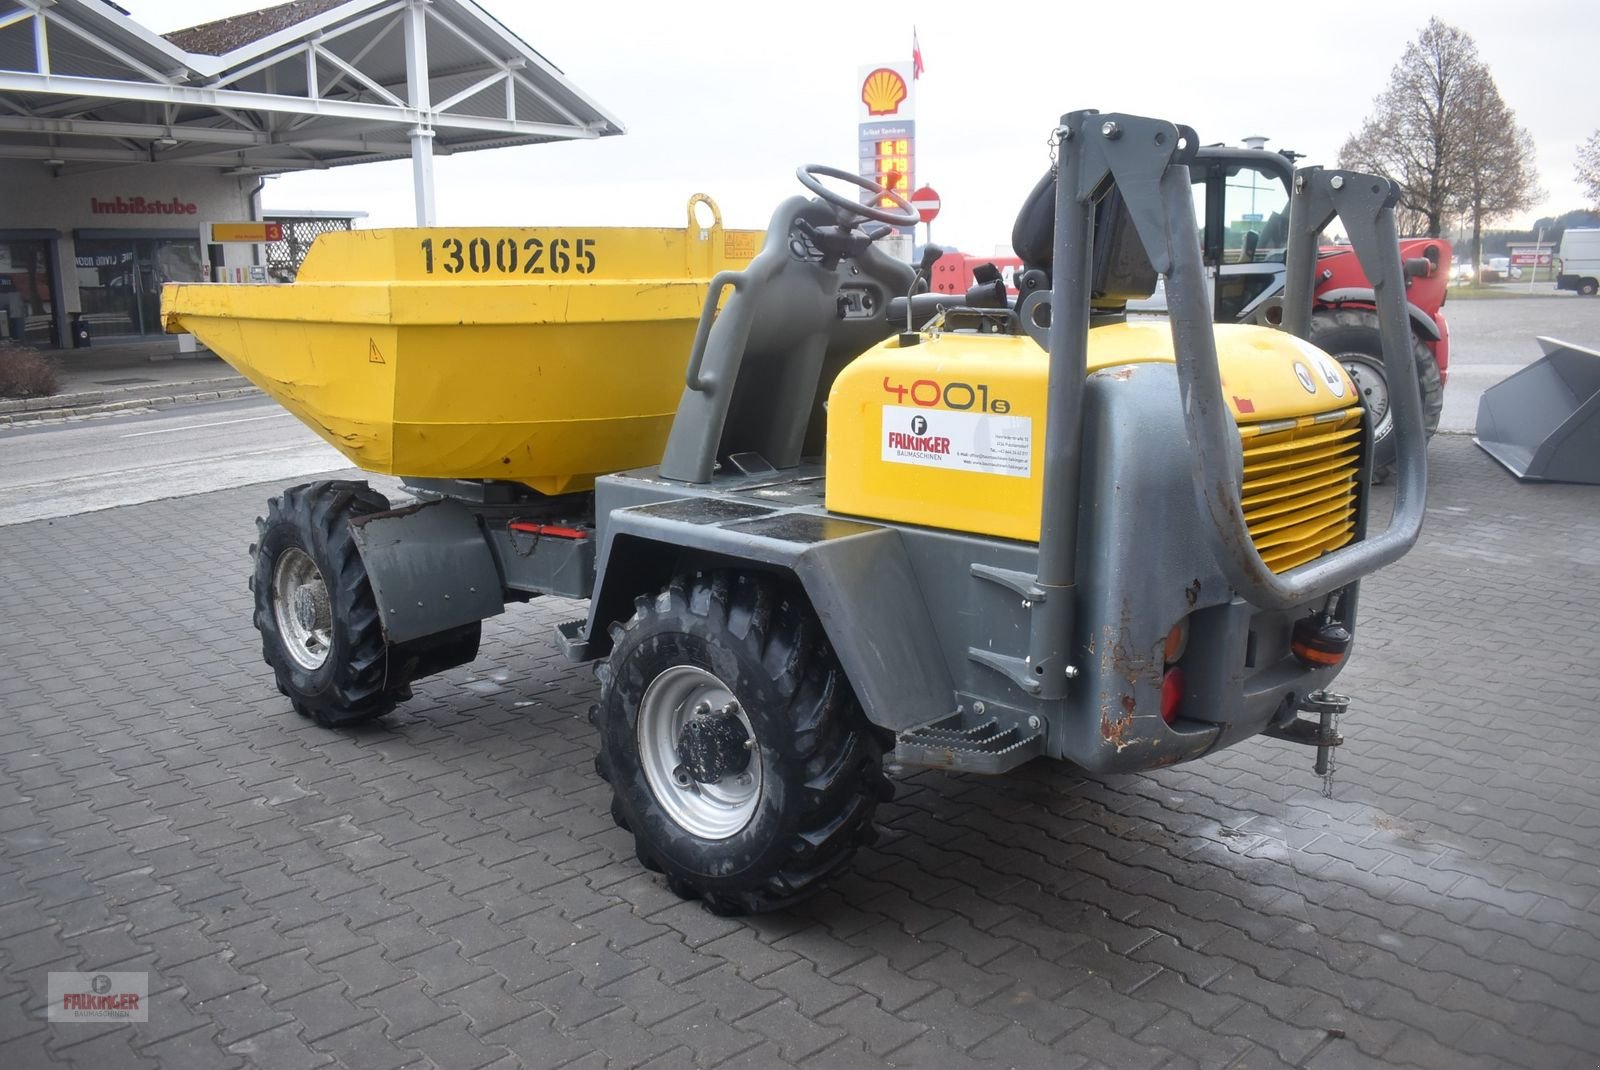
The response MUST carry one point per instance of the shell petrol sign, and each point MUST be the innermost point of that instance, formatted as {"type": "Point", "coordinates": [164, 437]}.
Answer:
{"type": "Point", "coordinates": [886, 127]}
{"type": "Point", "coordinates": [883, 91]}
{"type": "Point", "coordinates": [886, 92]}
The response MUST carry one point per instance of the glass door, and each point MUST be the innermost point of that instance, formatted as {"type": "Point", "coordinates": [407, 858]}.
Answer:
{"type": "Point", "coordinates": [27, 304]}
{"type": "Point", "coordinates": [108, 286]}
{"type": "Point", "coordinates": [120, 280]}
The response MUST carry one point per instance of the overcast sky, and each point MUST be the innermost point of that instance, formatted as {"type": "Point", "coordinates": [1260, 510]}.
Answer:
{"type": "Point", "coordinates": [728, 97]}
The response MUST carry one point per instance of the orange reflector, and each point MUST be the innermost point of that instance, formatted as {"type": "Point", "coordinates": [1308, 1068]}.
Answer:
{"type": "Point", "coordinates": [1312, 656]}
{"type": "Point", "coordinates": [1177, 641]}
{"type": "Point", "coordinates": [1171, 694]}
{"type": "Point", "coordinates": [1319, 643]}
{"type": "Point", "coordinates": [554, 531]}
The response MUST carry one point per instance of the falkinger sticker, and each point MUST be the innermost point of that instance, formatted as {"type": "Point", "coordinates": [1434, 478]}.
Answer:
{"type": "Point", "coordinates": [962, 441]}
{"type": "Point", "coordinates": [98, 996]}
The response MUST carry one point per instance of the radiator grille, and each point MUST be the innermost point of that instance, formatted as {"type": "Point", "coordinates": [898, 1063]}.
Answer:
{"type": "Point", "coordinates": [1300, 485]}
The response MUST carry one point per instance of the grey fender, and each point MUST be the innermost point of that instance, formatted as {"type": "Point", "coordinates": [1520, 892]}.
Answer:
{"type": "Point", "coordinates": [1421, 322]}
{"type": "Point", "coordinates": [857, 577]}
{"type": "Point", "coordinates": [429, 567]}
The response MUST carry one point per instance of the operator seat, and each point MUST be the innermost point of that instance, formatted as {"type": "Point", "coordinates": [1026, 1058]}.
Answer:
{"type": "Point", "coordinates": [1122, 270]}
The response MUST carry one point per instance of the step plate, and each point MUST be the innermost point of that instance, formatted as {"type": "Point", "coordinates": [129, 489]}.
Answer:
{"type": "Point", "coordinates": [991, 746]}
{"type": "Point", "coordinates": [572, 640]}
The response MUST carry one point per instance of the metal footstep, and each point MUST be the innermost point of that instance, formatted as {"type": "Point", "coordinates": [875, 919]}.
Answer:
{"type": "Point", "coordinates": [572, 639]}
{"type": "Point", "coordinates": [988, 746]}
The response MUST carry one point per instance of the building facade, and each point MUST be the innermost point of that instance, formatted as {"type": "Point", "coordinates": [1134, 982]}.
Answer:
{"type": "Point", "coordinates": [93, 248]}
{"type": "Point", "coordinates": [119, 147]}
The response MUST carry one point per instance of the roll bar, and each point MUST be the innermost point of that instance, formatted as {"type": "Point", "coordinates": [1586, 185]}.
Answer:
{"type": "Point", "coordinates": [1147, 159]}
{"type": "Point", "coordinates": [1146, 163]}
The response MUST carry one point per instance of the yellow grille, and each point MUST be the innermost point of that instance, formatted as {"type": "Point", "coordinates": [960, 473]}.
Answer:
{"type": "Point", "coordinates": [1300, 485]}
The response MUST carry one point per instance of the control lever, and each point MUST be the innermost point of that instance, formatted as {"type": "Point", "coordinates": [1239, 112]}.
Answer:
{"type": "Point", "coordinates": [930, 256]}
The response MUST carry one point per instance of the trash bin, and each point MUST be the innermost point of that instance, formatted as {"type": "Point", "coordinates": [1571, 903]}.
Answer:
{"type": "Point", "coordinates": [19, 328]}
{"type": "Point", "coordinates": [80, 331]}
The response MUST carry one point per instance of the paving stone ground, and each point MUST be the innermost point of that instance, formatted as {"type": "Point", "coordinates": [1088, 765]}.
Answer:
{"type": "Point", "coordinates": [446, 888]}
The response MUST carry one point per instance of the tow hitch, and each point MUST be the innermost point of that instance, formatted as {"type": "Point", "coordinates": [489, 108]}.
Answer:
{"type": "Point", "coordinates": [1323, 733]}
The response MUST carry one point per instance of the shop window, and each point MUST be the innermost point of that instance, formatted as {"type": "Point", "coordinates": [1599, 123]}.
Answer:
{"type": "Point", "coordinates": [26, 302]}
{"type": "Point", "coordinates": [120, 280]}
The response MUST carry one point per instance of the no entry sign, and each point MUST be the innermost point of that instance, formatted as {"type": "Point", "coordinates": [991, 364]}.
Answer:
{"type": "Point", "coordinates": [926, 202]}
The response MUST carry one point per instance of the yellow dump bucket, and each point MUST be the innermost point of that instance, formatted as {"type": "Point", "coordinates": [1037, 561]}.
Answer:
{"type": "Point", "coordinates": [546, 356]}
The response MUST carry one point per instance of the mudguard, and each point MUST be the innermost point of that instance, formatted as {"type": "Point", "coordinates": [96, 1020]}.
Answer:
{"type": "Point", "coordinates": [1421, 322]}
{"type": "Point", "coordinates": [857, 576]}
{"type": "Point", "coordinates": [429, 567]}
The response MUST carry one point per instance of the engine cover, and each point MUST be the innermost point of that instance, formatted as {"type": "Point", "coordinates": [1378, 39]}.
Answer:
{"type": "Point", "coordinates": [949, 433]}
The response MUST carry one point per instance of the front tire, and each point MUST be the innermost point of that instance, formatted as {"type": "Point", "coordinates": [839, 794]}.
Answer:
{"type": "Point", "coordinates": [317, 615]}
{"type": "Point", "coordinates": [1350, 336]}
{"type": "Point", "coordinates": [737, 753]}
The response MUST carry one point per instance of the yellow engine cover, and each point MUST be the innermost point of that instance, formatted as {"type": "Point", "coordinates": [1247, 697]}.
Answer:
{"type": "Point", "coordinates": [950, 433]}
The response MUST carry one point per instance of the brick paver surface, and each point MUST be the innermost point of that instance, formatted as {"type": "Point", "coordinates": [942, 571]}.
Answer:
{"type": "Point", "coordinates": [446, 888]}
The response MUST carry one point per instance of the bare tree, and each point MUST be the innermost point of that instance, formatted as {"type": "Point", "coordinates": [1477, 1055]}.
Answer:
{"type": "Point", "coordinates": [1408, 220]}
{"type": "Point", "coordinates": [1412, 134]}
{"type": "Point", "coordinates": [1589, 168]}
{"type": "Point", "coordinates": [1441, 131]}
{"type": "Point", "coordinates": [1497, 174]}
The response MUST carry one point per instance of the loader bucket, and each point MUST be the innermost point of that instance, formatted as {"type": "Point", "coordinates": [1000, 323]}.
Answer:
{"type": "Point", "coordinates": [1543, 423]}
{"type": "Point", "coordinates": [545, 356]}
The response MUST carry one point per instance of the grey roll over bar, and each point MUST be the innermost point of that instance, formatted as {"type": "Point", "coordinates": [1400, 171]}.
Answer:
{"type": "Point", "coordinates": [1147, 160]}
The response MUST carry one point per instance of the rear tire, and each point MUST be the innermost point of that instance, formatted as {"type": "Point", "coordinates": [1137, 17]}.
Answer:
{"type": "Point", "coordinates": [791, 796]}
{"type": "Point", "coordinates": [1588, 287]}
{"type": "Point", "coordinates": [317, 615]}
{"type": "Point", "coordinates": [1350, 336]}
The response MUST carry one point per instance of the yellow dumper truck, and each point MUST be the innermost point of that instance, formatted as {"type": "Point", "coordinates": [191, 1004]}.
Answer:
{"type": "Point", "coordinates": [822, 517]}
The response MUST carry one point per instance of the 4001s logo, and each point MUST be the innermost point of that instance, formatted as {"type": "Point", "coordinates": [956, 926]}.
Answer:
{"type": "Point", "coordinates": [962, 397]}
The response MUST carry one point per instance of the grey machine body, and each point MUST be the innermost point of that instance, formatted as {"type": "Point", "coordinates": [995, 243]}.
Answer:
{"type": "Point", "coordinates": [975, 652]}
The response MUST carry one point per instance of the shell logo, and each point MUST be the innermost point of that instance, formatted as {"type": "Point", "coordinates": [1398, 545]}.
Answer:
{"type": "Point", "coordinates": [882, 91]}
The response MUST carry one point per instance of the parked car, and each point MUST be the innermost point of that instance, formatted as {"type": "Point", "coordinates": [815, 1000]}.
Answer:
{"type": "Point", "coordinates": [1500, 268]}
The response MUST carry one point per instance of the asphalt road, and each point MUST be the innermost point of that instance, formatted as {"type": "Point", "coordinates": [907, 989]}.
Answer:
{"type": "Point", "coordinates": [82, 466]}
{"type": "Point", "coordinates": [1492, 337]}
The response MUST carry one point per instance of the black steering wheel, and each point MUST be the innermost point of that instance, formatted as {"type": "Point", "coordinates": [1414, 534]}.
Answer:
{"type": "Point", "coordinates": [809, 178]}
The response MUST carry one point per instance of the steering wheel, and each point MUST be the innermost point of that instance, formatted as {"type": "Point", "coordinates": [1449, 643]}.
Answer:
{"type": "Point", "coordinates": [811, 174]}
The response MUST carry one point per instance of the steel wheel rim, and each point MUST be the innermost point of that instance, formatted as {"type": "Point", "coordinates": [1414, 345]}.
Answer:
{"type": "Point", "coordinates": [302, 608]}
{"type": "Point", "coordinates": [1372, 386]}
{"type": "Point", "coordinates": [710, 811]}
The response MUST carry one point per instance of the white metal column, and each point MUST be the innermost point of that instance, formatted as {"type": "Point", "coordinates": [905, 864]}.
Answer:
{"type": "Point", "coordinates": [417, 97]}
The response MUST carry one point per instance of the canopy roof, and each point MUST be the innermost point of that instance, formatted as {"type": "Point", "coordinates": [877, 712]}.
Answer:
{"type": "Point", "coordinates": [306, 84]}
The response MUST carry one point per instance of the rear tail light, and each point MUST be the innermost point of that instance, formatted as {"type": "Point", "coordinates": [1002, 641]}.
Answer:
{"type": "Point", "coordinates": [1171, 694]}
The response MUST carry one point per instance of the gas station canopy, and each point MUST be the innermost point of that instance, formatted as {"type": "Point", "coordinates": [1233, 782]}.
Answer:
{"type": "Point", "coordinates": [304, 85]}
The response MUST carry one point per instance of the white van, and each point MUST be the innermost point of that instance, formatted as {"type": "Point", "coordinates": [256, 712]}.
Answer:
{"type": "Point", "coordinates": [1578, 261]}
